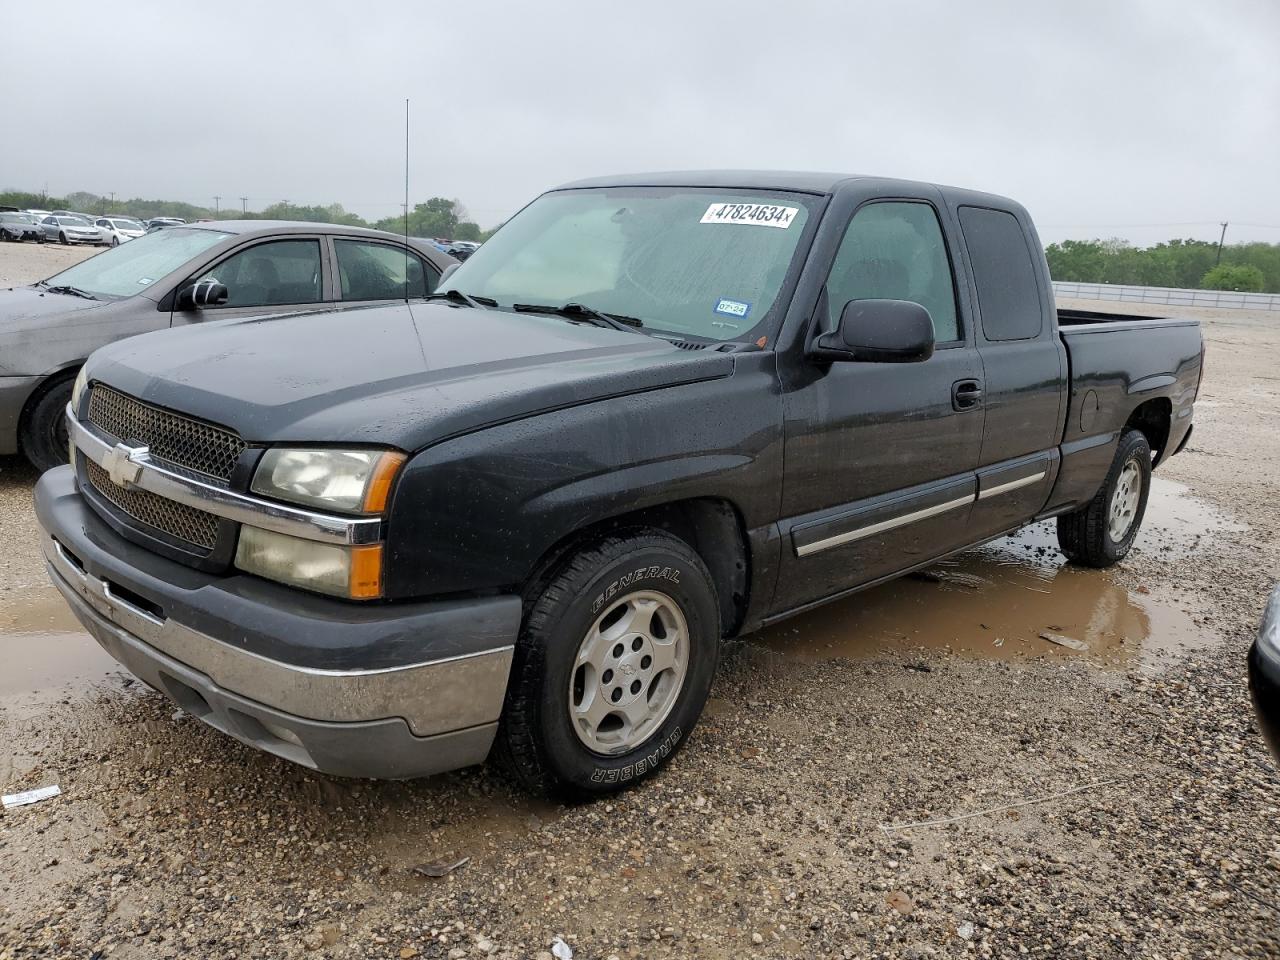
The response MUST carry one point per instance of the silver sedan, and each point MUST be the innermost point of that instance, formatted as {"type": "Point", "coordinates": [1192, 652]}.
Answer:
{"type": "Point", "coordinates": [67, 229]}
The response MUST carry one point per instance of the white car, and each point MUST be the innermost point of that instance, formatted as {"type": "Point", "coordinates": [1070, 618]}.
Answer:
{"type": "Point", "coordinates": [70, 230]}
{"type": "Point", "coordinates": [116, 230]}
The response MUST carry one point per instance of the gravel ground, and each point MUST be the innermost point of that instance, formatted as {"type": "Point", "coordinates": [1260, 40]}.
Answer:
{"type": "Point", "coordinates": [767, 837]}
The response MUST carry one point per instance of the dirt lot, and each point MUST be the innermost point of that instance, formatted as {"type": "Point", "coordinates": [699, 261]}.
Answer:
{"type": "Point", "coordinates": [772, 835]}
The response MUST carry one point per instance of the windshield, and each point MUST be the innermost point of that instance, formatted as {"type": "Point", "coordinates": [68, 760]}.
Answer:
{"type": "Point", "coordinates": [701, 262]}
{"type": "Point", "coordinates": [126, 225]}
{"type": "Point", "coordinates": [132, 267]}
{"type": "Point", "coordinates": [74, 222]}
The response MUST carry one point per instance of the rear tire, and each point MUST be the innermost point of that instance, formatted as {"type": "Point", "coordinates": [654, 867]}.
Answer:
{"type": "Point", "coordinates": [44, 428]}
{"type": "Point", "coordinates": [612, 667]}
{"type": "Point", "coordinates": [1101, 533]}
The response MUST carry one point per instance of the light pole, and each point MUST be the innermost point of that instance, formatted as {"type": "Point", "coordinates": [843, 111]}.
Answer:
{"type": "Point", "coordinates": [244, 204]}
{"type": "Point", "coordinates": [1221, 237]}
{"type": "Point", "coordinates": [216, 207]}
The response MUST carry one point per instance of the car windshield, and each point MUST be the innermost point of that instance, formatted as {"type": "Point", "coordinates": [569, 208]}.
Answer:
{"type": "Point", "coordinates": [74, 222]}
{"type": "Point", "coordinates": [126, 225]}
{"type": "Point", "coordinates": [702, 262]}
{"type": "Point", "coordinates": [132, 267]}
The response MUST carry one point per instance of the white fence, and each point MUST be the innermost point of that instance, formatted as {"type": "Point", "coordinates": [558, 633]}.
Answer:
{"type": "Point", "coordinates": [1224, 299]}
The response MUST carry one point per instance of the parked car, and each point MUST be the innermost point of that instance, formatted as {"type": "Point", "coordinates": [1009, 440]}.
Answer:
{"type": "Point", "coordinates": [38, 214]}
{"type": "Point", "coordinates": [116, 230]}
{"type": "Point", "coordinates": [1264, 674]}
{"type": "Point", "coordinates": [164, 279]}
{"type": "Point", "coordinates": [650, 413]}
{"type": "Point", "coordinates": [160, 223]}
{"type": "Point", "coordinates": [70, 229]}
{"type": "Point", "coordinates": [20, 226]}
{"type": "Point", "coordinates": [461, 249]}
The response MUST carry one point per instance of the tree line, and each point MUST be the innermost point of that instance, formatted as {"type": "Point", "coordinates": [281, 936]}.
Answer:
{"type": "Point", "coordinates": [1244, 267]}
{"type": "Point", "coordinates": [437, 217]}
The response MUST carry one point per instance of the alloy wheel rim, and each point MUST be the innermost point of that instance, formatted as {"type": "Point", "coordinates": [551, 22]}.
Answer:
{"type": "Point", "coordinates": [1124, 501]}
{"type": "Point", "coordinates": [628, 673]}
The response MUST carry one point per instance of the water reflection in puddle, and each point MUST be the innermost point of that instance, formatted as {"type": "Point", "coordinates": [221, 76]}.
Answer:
{"type": "Point", "coordinates": [1017, 597]}
{"type": "Point", "coordinates": [44, 649]}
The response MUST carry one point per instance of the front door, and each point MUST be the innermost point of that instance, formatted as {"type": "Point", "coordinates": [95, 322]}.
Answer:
{"type": "Point", "coordinates": [880, 457]}
{"type": "Point", "coordinates": [266, 277]}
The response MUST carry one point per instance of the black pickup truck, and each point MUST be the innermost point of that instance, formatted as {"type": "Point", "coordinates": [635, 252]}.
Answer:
{"type": "Point", "coordinates": [651, 413]}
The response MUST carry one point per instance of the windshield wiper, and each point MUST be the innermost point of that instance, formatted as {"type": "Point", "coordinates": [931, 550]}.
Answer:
{"type": "Point", "coordinates": [72, 291]}
{"type": "Point", "coordinates": [457, 296]}
{"type": "Point", "coordinates": [577, 310]}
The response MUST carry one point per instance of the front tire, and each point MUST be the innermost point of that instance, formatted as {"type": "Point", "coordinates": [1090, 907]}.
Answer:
{"type": "Point", "coordinates": [44, 429]}
{"type": "Point", "coordinates": [612, 667]}
{"type": "Point", "coordinates": [62, 239]}
{"type": "Point", "coordinates": [115, 241]}
{"type": "Point", "coordinates": [1101, 533]}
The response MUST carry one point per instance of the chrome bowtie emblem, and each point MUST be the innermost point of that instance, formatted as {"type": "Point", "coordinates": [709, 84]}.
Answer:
{"type": "Point", "coordinates": [124, 464]}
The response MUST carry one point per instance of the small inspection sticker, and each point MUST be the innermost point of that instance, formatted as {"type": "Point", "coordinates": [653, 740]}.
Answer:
{"type": "Point", "coordinates": [143, 281]}
{"type": "Point", "coordinates": [755, 214]}
{"type": "Point", "coordinates": [732, 308]}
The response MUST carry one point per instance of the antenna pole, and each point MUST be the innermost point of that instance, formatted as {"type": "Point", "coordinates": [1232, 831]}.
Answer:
{"type": "Point", "coordinates": [406, 199]}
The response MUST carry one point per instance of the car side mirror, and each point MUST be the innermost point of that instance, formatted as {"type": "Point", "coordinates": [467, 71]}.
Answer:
{"type": "Point", "coordinates": [878, 331]}
{"type": "Point", "coordinates": [447, 272]}
{"type": "Point", "coordinates": [206, 293]}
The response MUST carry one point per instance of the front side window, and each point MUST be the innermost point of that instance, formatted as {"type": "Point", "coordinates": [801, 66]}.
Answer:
{"type": "Point", "coordinates": [269, 274]}
{"type": "Point", "coordinates": [693, 261]}
{"type": "Point", "coordinates": [133, 267]}
{"type": "Point", "coordinates": [895, 251]}
{"type": "Point", "coordinates": [379, 271]}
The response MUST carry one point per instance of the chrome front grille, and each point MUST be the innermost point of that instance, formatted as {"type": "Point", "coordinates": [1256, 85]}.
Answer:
{"type": "Point", "coordinates": [192, 444]}
{"type": "Point", "coordinates": [168, 516]}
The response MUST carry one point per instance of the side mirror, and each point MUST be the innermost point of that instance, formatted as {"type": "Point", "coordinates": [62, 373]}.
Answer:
{"type": "Point", "coordinates": [207, 293]}
{"type": "Point", "coordinates": [878, 331]}
{"type": "Point", "coordinates": [447, 272]}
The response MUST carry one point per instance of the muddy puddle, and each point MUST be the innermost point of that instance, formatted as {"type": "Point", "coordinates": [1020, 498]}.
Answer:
{"type": "Point", "coordinates": [44, 652]}
{"type": "Point", "coordinates": [1017, 598]}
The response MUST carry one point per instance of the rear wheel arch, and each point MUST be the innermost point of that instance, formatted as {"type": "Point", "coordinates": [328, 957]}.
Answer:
{"type": "Point", "coordinates": [1153, 418]}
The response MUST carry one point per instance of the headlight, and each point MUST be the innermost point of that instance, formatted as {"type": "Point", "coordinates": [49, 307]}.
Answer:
{"type": "Point", "coordinates": [346, 481]}
{"type": "Point", "coordinates": [77, 390]}
{"type": "Point", "coordinates": [352, 572]}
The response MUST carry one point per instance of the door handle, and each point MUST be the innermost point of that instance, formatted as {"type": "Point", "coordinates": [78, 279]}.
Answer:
{"type": "Point", "coordinates": [966, 394]}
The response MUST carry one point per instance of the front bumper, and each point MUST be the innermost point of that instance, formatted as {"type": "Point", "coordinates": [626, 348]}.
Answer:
{"type": "Point", "coordinates": [391, 692]}
{"type": "Point", "coordinates": [1264, 674]}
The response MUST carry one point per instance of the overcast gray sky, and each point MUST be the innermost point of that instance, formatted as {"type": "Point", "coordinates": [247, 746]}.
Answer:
{"type": "Point", "coordinates": [1137, 118]}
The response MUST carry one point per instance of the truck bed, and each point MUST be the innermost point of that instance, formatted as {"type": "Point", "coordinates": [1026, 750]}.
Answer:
{"type": "Point", "coordinates": [1077, 318]}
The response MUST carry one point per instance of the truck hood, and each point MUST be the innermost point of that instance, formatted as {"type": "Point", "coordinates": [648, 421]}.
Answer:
{"type": "Point", "coordinates": [399, 375]}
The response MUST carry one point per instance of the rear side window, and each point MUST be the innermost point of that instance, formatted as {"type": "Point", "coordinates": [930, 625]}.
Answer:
{"type": "Point", "coordinates": [1004, 274]}
{"type": "Point", "coordinates": [377, 271]}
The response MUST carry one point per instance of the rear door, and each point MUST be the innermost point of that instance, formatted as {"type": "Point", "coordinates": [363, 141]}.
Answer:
{"type": "Point", "coordinates": [880, 457]}
{"type": "Point", "coordinates": [367, 271]}
{"type": "Point", "coordinates": [276, 275]}
{"type": "Point", "coordinates": [1024, 367]}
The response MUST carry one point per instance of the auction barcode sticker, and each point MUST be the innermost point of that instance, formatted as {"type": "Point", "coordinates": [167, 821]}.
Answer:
{"type": "Point", "coordinates": [757, 214]}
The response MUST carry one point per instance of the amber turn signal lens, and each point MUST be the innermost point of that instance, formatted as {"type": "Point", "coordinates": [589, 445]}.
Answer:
{"type": "Point", "coordinates": [366, 572]}
{"type": "Point", "coordinates": [378, 491]}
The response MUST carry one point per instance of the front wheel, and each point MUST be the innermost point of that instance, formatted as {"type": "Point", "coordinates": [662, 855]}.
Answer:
{"type": "Point", "coordinates": [44, 432]}
{"type": "Point", "coordinates": [115, 241]}
{"type": "Point", "coordinates": [62, 239]}
{"type": "Point", "coordinates": [1102, 532]}
{"type": "Point", "coordinates": [612, 668]}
